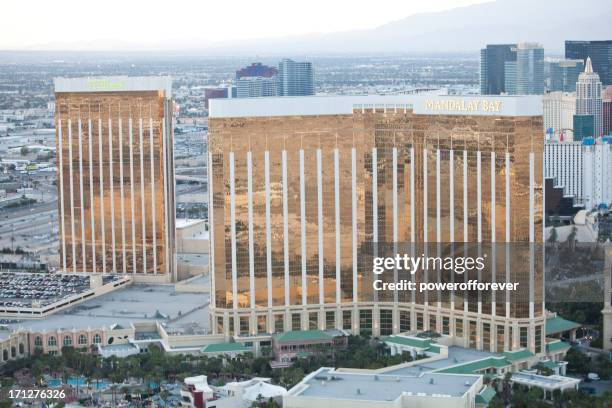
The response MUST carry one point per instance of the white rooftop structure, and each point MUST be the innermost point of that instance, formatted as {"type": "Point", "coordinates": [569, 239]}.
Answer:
{"type": "Point", "coordinates": [263, 389]}
{"type": "Point", "coordinates": [425, 104]}
{"type": "Point", "coordinates": [200, 383]}
{"type": "Point", "coordinates": [114, 84]}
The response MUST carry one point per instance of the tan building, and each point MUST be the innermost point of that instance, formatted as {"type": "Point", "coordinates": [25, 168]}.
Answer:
{"type": "Point", "coordinates": [301, 188]}
{"type": "Point", "coordinates": [116, 176]}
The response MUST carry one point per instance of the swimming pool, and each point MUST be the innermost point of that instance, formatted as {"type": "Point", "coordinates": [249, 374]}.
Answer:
{"type": "Point", "coordinates": [80, 382]}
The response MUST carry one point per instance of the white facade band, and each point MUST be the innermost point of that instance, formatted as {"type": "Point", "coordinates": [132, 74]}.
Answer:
{"type": "Point", "coordinates": [493, 208]}
{"type": "Point", "coordinates": [438, 199]}
{"type": "Point", "coordinates": [82, 198]}
{"type": "Point", "coordinates": [268, 228]}
{"type": "Point", "coordinates": [354, 220]}
{"type": "Point", "coordinates": [122, 199]}
{"type": "Point", "coordinates": [320, 225]}
{"type": "Point", "coordinates": [153, 205]}
{"type": "Point", "coordinates": [233, 230]}
{"type": "Point", "coordinates": [479, 194]}
{"type": "Point", "coordinates": [303, 228]}
{"type": "Point", "coordinates": [111, 182]}
{"type": "Point", "coordinates": [425, 195]}
{"type": "Point", "coordinates": [61, 195]}
{"type": "Point", "coordinates": [451, 198]}
{"type": "Point", "coordinates": [337, 220]}
{"type": "Point", "coordinates": [465, 196]}
{"type": "Point", "coordinates": [71, 176]}
{"type": "Point", "coordinates": [142, 198]}
{"type": "Point", "coordinates": [285, 225]}
{"type": "Point", "coordinates": [412, 193]}
{"type": "Point", "coordinates": [102, 220]}
{"type": "Point", "coordinates": [167, 209]}
{"type": "Point", "coordinates": [374, 196]}
{"type": "Point", "coordinates": [132, 200]}
{"type": "Point", "coordinates": [91, 197]}
{"type": "Point", "coordinates": [250, 217]}
{"type": "Point", "coordinates": [211, 229]}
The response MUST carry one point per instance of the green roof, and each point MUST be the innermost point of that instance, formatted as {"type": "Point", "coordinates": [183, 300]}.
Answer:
{"type": "Point", "coordinates": [302, 335]}
{"type": "Point", "coordinates": [557, 346]}
{"type": "Point", "coordinates": [518, 355]}
{"type": "Point", "coordinates": [547, 364]}
{"type": "Point", "coordinates": [410, 342]}
{"type": "Point", "coordinates": [224, 348]}
{"type": "Point", "coordinates": [558, 324]}
{"type": "Point", "coordinates": [485, 396]}
{"type": "Point", "coordinates": [475, 366]}
{"type": "Point", "coordinates": [434, 349]}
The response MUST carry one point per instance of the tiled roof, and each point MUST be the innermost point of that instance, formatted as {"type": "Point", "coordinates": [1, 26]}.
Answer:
{"type": "Point", "coordinates": [224, 348]}
{"type": "Point", "coordinates": [558, 324]}
{"type": "Point", "coordinates": [485, 396]}
{"type": "Point", "coordinates": [518, 355]}
{"type": "Point", "coordinates": [557, 346]}
{"type": "Point", "coordinates": [409, 341]}
{"type": "Point", "coordinates": [302, 335]}
{"type": "Point", "coordinates": [476, 366]}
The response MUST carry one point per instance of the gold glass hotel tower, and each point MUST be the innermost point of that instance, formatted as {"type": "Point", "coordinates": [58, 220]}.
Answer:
{"type": "Point", "coordinates": [116, 176]}
{"type": "Point", "coordinates": [300, 186]}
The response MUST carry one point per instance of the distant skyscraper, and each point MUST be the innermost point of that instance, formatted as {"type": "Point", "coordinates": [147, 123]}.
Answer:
{"type": "Point", "coordinates": [215, 93]}
{"type": "Point", "coordinates": [607, 110]}
{"type": "Point", "coordinates": [589, 98]}
{"type": "Point", "coordinates": [256, 87]}
{"type": "Point", "coordinates": [510, 77]}
{"type": "Point", "coordinates": [116, 176]}
{"type": "Point", "coordinates": [492, 67]}
{"type": "Point", "coordinates": [257, 69]}
{"type": "Point", "coordinates": [529, 69]}
{"type": "Point", "coordinates": [600, 53]}
{"type": "Point", "coordinates": [559, 110]}
{"type": "Point", "coordinates": [295, 78]}
{"type": "Point", "coordinates": [564, 75]}
{"type": "Point", "coordinates": [583, 126]}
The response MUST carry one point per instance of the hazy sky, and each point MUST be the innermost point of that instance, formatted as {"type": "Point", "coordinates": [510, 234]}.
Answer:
{"type": "Point", "coordinates": [149, 23]}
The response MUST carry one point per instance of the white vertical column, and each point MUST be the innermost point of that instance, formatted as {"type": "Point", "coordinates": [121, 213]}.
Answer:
{"type": "Point", "coordinates": [71, 174]}
{"type": "Point", "coordinates": [493, 247]}
{"type": "Point", "coordinates": [211, 230]}
{"type": "Point", "coordinates": [493, 226]}
{"type": "Point", "coordinates": [374, 195]}
{"type": "Point", "coordinates": [286, 226]}
{"type": "Point", "coordinates": [438, 199]}
{"type": "Point", "coordinates": [337, 220]}
{"type": "Point", "coordinates": [82, 199]}
{"type": "Point", "coordinates": [320, 225]}
{"type": "Point", "coordinates": [425, 195]}
{"type": "Point", "coordinates": [122, 199]}
{"type": "Point", "coordinates": [412, 195]}
{"type": "Point", "coordinates": [250, 216]}
{"type": "Point", "coordinates": [168, 210]}
{"type": "Point", "coordinates": [143, 213]}
{"type": "Point", "coordinates": [354, 220]}
{"type": "Point", "coordinates": [102, 215]}
{"type": "Point", "coordinates": [153, 198]}
{"type": "Point", "coordinates": [465, 197]}
{"type": "Point", "coordinates": [61, 194]}
{"type": "Point", "coordinates": [268, 227]}
{"type": "Point", "coordinates": [479, 195]}
{"type": "Point", "coordinates": [132, 200]}
{"type": "Point", "coordinates": [112, 192]}
{"type": "Point", "coordinates": [233, 231]}
{"type": "Point", "coordinates": [531, 234]}
{"type": "Point", "coordinates": [91, 197]}
{"type": "Point", "coordinates": [394, 209]}
{"type": "Point", "coordinates": [303, 228]}
{"type": "Point", "coordinates": [451, 198]}
{"type": "Point", "coordinates": [507, 235]}
{"type": "Point", "coordinates": [394, 195]}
